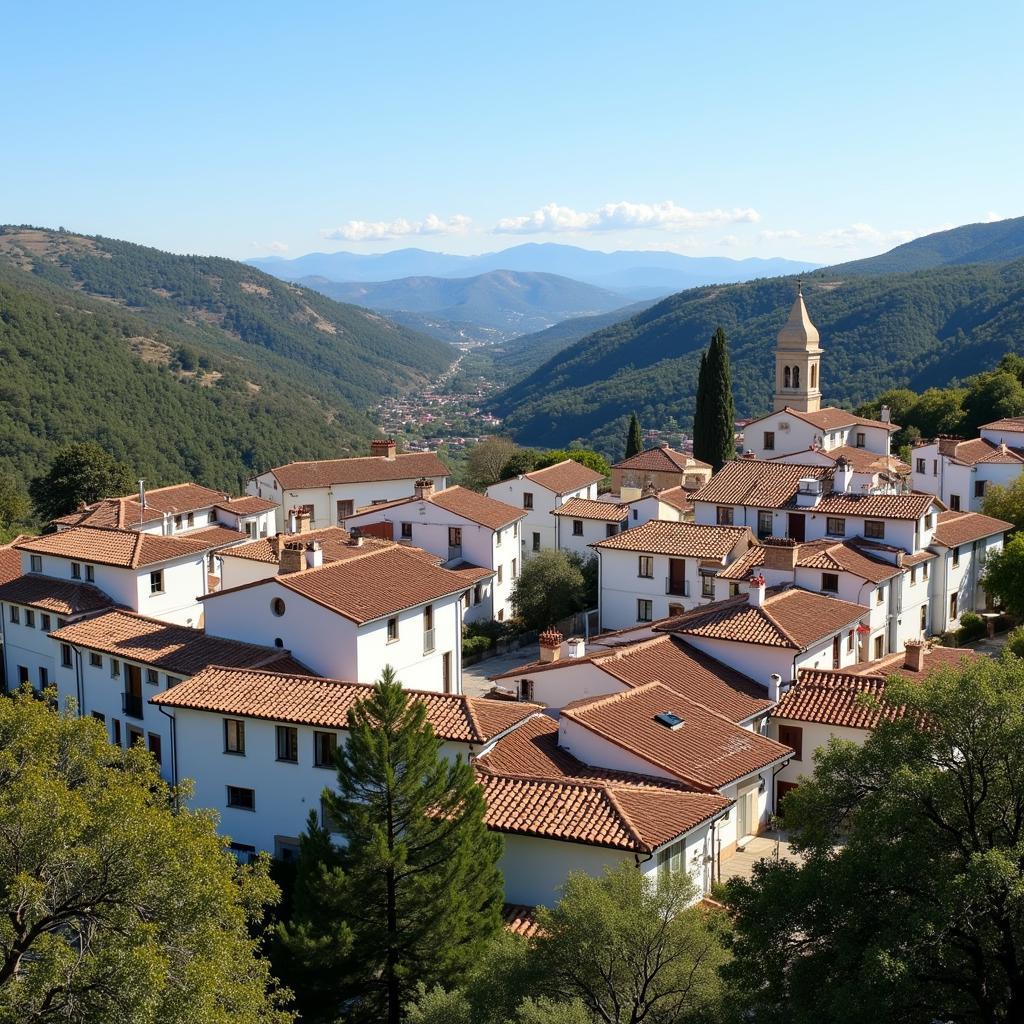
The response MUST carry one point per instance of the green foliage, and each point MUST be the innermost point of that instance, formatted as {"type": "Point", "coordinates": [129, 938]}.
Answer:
{"type": "Point", "coordinates": [1015, 642]}
{"type": "Point", "coordinates": [1006, 503]}
{"type": "Point", "coordinates": [584, 456]}
{"type": "Point", "coordinates": [15, 505]}
{"type": "Point", "coordinates": [908, 903]}
{"type": "Point", "coordinates": [116, 905]}
{"type": "Point", "coordinates": [1003, 576]}
{"type": "Point", "coordinates": [81, 472]}
{"type": "Point", "coordinates": [714, 425]}
{"type": "Point", "coordinates": [415, 882]}
{"type": "Point", "coordinates": [549, 587]}
{"type": "Point", "coordinates": [972, 627]}
{"type": "Point", "coordinates": [634, 439]}
{"type": "Point", "coordinates": [486, 462]}
{"type": "Point", "coordinates": [473, 645]}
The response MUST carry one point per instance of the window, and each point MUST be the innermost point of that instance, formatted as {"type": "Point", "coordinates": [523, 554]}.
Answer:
{"type": "Point", "coordinates": [44, 677]}
{"type": "Point", "coordinates": [786, 377]}
{"type": "Point", "coordinates": [392, 630]}
{"type": "Point", "coordinates": [99, 716]}
{"type": "Point", "coordinates": [954, 605]}
{"type": "Point", "coordinates": [152, 676]}
{"type": "Point", "coordinates": [536, 541]}
{"type": "Point", "coordinates": [242, 799]}
{"type": "Point", "coordinates": [610, 529]}
{"type": "Point", "coordinates": [796, 376]}
{"type": "Point", "coordinates": [325, 747]}
{"type": "Point", "coordinates": [913, 575]}
{"type": "Point", "coordinates": [734, 590]}
{"type": "Point", "coordinates": [44, 622]}
{"type": "Point", "coordinates": [849, 640]}
{"type": "Point", "coordinates": [924, 571]}
{"type": "Point", "coordinates": [929, 521]}
{"type": "Point", "coordinates": [515, 567]}
{"type": "Point", "coordinates": [277, 606]}
{"type": "Point", "coordinates": [924, 618]}
{"type": "Point", "coordinates": [793, 736]}
{"type": "Point", "coordinates": [156, 581]}
{"type": "Point", "coordinates": [65, 655]}
{"type": "Point", "coordinates": [874, 528]}
{"type": "Point", "coordinates": [764, 523]}
{"type": "Point", "coordinates": [135, 737]}
{"type": "Point", "coordinates": [769, 440]}
{"type": "Point", "coordinates": [76, 571]}
{"type": "Point", "coordinates": [95, 660]}
{"type": "Point", "coordinates": [526, 689]}
{"type": "Point", "coordinates": [707, 586]}
{"type": "Point", "coordinates": [577, 527]}
{"type": "Point", "coordinates": [954, 502]}
{"type": "Point", "coordinates": [935, 467]}
{"type": "Point", "coordinates": [956, 557]}
{"type": "Point", "coordinates": [327, 819]}
{"type": "Point", "coordinates": [880, 595]}
{"type": "Point", "coordinates": [498, 534]}
{"type": "Point", "coordinates": [154, 747]}
{"type": "Point", "coordinates": [670, 860]}
{"type": "Point", "coordinates": [861, 439]}
{"type": "Point", "coordinates": [90, 574]}
{"type": "Point", "coordinates": [455, 536]}
{"type": "Point", "coordinates": [979, 488]}
{"type": "Point", "coordinates": [920, 466]}
{"type": "Point", "coordinates": [407, 531]}
{"type": "Point", "coordinates": [61, 623]}
{"type": "Point", "coordinates": [177, 522]}
{"type": "Point", "coordinates": [287, 743]}
{"type": "Point", "coordinates": [644, 611]}
{"type": "Point", "coordinates": [501, 574]}
{"type": "Point", "coordinates": [22, 675]}
{"type": "Point", "coordinates": [830, 582]}
{"type": "Point", "coordinates": [30, 618]}
{"type": "Point", "coordinates": [234, 736]}
{"type": "Point", "coordinates": [36, 563]}
{"type": "Point", "coordinates": [15, 613]}
{"type": "Point", "coordinates": [172, 681]}
{"type": "Point", "coordinates": [501, 614]}
{"type": "Point", "coordinates": [191, 520]}
{"type": "Point", "coordinates": [515, 529]}
{"type": "Point", "coordinates": [645, 567]}
{"type": "Point", "coordinates": [636, 514]}
{"type": "Point", "coordinates": [835, 527]}
{"type": "Point", "coordinates": [428, 618]}
{"type": "Point", "coordinates": [723, 515]}
{"type": "Point", "coordinates": [879, 648]}
{"type": "Point", "coordinates": [115, 727]}
{"type": "Point", "coordinates": [115, 668]}
{"type": "Point", "coordinates": [527, 499]}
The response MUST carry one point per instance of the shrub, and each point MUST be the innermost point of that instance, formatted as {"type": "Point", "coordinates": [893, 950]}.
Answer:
{"type": "Point", "coordinates": [1015, 642]}
{"type": "Point", "coordinates": [972, 627]}
{"type": "Point", "coordinates": [474, 645]}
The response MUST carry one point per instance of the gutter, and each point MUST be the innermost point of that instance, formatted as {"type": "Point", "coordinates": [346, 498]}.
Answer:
{"type": "Point", "coordinates": [174, 750]}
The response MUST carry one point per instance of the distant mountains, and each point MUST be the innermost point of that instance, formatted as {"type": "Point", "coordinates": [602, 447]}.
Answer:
{"type": "Point", "coordinates": [880, 328]}
{"type": "Point", "coordinates": [185, 366]}
{"type": "Point", "coordinates": [658, 272]}
{"type": "Point", "coordinates": [506, 301]}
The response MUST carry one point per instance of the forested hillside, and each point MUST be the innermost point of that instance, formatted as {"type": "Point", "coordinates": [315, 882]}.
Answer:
{"type": "Point", "coordinates": [184, 366]}
{"type": "Point", "coordinates": [913, 330]}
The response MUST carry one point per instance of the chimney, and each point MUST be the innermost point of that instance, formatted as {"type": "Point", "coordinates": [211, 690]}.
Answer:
{"type": "Point", "coordinates": [774, 686]}
{"type": "Point", "coordinates": [355, 537]}
{"type": "Point", "coordinates": [808, 492]}
{"type": "Point", "coordinates": [576, 646]}
{"type": "Point", "coordinates": [293, 558]}
{"type": "Point", "coordinates": [276, 544]}
{"type": "Point", "coordinates": [300, 520]}
{"type": "Point", "coordinates": [915, 656]}
{"type": "Point", "coordinates": [383, 449]}
{"type": "Point", "coordinates": [424, 489]}
{"type": "Point", "coordinates": [293, 526]}
{"type": "Point", "coordinates": [781, 553]}
{"type": "Point", "coordinates": [314, 554]}
{"type": "Point", "coordinates": [884, 414]}
{"type": "Point", "coordinates": [550, 645]}
{"type": "Point", "coordinates": [756, 595]}
{"type": "Point", "coordinates": [842, 478]}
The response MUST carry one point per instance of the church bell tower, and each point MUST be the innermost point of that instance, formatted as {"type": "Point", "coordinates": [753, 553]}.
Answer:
{"type": "Point", "coordinates": [797, 361]}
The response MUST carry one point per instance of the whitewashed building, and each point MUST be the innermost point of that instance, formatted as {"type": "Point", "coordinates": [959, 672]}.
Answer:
{"type": "Point", "coordinates": [962, 473]}
{"type": "Point", "coordinates": [582, 522]}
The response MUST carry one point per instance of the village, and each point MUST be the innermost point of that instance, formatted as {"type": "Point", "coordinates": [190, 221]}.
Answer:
{"type": "Point", "coordinates": [741, 615]}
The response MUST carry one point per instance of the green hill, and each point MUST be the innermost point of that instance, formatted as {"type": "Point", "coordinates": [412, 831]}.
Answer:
{"type": "Point", "coordinates": [185, 366]}
{"type": "Point", "coordinates": [878, 331]}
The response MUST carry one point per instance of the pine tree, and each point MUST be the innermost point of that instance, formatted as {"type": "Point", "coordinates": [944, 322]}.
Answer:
{"type": "Point", "coordinates": [715, 419]}
{"type": "Point", "coordinates": [418, 868]}
{"type": "Point", "coordinates": [634, 439]}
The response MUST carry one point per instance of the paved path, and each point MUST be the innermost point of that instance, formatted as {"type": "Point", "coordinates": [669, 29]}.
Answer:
{"type": "Point", "coordinates": [768, 845]}
{"type": "Point", "coordinates": [474, 679]}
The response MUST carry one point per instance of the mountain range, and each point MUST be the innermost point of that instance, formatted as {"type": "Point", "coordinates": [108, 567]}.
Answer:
{"type": "Point", "coordinates": [937, 308]}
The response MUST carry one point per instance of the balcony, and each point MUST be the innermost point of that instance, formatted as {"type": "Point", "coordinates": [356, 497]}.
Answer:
{"type": "Point", "coordinates": [677, 588]}
{"type": "Point", "coordinates": [131, 705]}
{"type": "Point", "coordinates": [428, 641]}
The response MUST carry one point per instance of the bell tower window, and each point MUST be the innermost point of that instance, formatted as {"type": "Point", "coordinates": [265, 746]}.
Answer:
{"type": "Point", "coordinates": [785, 377]}
{"type": "Point", "coordinates": [796, 376]}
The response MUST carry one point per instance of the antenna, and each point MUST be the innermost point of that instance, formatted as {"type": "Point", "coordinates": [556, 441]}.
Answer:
{"type": "Point", "coordinates": [142, 499]}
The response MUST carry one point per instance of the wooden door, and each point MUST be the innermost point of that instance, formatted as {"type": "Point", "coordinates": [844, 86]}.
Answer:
{"type": "Point", "coordinates": [796, 526]}
{"type": "Point", "coordinates": [677, 576]}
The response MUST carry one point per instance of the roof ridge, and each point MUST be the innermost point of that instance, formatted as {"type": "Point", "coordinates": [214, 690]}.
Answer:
{"type": "Point", "coordinates": [630, 827]}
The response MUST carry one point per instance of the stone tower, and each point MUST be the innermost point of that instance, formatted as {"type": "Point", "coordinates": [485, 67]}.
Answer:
{"type": "Point", "coordinates": [797, 361]}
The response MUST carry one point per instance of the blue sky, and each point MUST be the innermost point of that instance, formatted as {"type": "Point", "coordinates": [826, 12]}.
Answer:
{"type": "Point", "coordinates": [821, 131]}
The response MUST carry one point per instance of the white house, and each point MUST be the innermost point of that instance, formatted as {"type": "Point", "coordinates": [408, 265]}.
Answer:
{"type": "Point", "coordinates": [539, 493]}
{"type": "Point", "coordinates": [112, 663]}
{"type": "Point", "coordinates": [581, 522]}
{"type": "Point", "coordinates": [663, 568]}
{"type": "Point", "coordinates": [332, 489]}
{"type": "Point", "coordinates": [463, 529]}
{"type": "Point", "coordinates": [961, 473]}
{"type": "Point", "coordinates": [349, 619]}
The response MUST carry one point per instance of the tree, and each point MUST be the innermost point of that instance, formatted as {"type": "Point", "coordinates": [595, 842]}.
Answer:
{"type": "Point", "coordinates": [15, 507]}
{"type": "Point", "coordinates": [549, 587]}
{"type": "Point", "coordinates": [714, 425]}
{"type": "Point", "coordinates": [634, 438]}
{"type": "Point", "coordinates": [117, 906]}
{"type": "Point", "coordinates": [939, 411]}
{"type": "Point", "coordinates": [416, 878]}
{"type": "Point", "coordinates": [584, 456]}
{"type": "Point", "coordinates": [909, 900]}
{"type": "Point", "coordinates": [1006, 502]}
{"type": "Point", "coordinates": [991, 396]}
{"type": "Point", "coordinates": [1003, 576]}
{"type": "Point", "coordinates": [488, 459]}
{"type": "Point", "coordinates": [81, 472]}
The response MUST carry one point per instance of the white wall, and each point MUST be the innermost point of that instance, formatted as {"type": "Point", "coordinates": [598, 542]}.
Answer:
{"type": "Point", "coordinates": [554, 688]}
{"type": "Point", "coordinates": [594, 530]}
{"type": "Point", "coordinates": [236, 572]}
{"type": "Point", "coordinates": [28, 646]}
{"type": "Point", "coordinates": [538, 519]}
{"type": "Point", "coordinates": [815, 735]}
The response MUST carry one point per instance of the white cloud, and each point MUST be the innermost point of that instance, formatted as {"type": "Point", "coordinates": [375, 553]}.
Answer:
{"type": "Point", "coordinates": [666, 216]}
{"type": "Point", "coordinates": [991, 217]}
{"type": "Point", "coordinates": [375, 231]}
{"type": "Point", "coordinates": [276, 247]}
{"type": "Point", "coordinates": [854, 235]}
{"type": "Point", "coordinates": [778, 236]}
{"type": "Point", "coordinates": [728, 241]}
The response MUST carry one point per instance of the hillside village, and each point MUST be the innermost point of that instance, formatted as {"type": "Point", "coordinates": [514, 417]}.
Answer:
{"type": "Point", "coordinates": [741, 615]}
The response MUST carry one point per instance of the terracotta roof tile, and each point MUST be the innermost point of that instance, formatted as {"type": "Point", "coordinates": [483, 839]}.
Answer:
{"type": "Point", "coordinates": [126, 549]}
{"type": "Point", "coordinates": [215, 536]}
{"type": "Point", "coordinates": [477, 508]}
{"type": "Point", "coordinates": [662, 459]}
{"type": "Point", "coordinates": [10, 559]}
{"type": "Point", "coordinates": [247, 505]}
{"type": "Point", "coordinates": [955, 528]}
{"type": "Point", "coordinates": [126, 511]}
{"type": "Point", "coordinates": [935, 657]}
{"type": "Point", "coordinates": [707, 751]}
{"type": "Point", "coordinates": [62, 597]}
{"type": "Point", "coordinates": [363, 469]}
{"type": "Point", "coordinates": [564, 476]}
{"type": "Point", "coordinates": [337, 545]}
{"type": "Point", "coordinates": [862, 460]}
{"type": "Point", "coordinates": [911, 505]}
{"type": "Point", "coordinates": [1006, 423]}
{"type": "Point", "coordinates": [758, 482]}
{"type": "Point", "coordinates": [677, 497]}
{"type": "Point", "coordinates": [789, 617]}
{"type": "Point", "coordinates": [590, 508]}
{"type": "Point", "coordinates": [178, 649]}
{"type": "Point", "coordinates": [521, 920]}
{"type": "Point", "coordinates": [827, 555]}
{"type": "Point", "coordinates": [685, 540]}
{"type": "Point", "coordinates": [309, 700]}
{"type": "Point", "coordinates": [831, 418]}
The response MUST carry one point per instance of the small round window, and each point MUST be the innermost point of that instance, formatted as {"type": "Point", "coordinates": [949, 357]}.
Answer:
{"type": "Point", "coordinates": [277, 606]}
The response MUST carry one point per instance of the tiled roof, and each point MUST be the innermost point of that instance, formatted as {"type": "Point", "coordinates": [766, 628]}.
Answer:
{"type": "Point", "coordinates": [380, 582]}
{"type": "Point", "coordinates": [363, 469]}
{"type": "Point", "coordinates": [789, 617]}
{"type": "Point", "coordinates": [862, 460]}
{"type": "Point", "coordinates": [685, 540]}
{"type": "Point", "coordinates": [589, 508]}
{"type": "Point", "coordinates": [911, 505]}
{"type": "Point", "coordinates": [1006, 423]}
{"type": "Point", "coordinates": [761, 483]}
{"type": "Point", "coordinates": [521, 920]}
{"type": "Point", "coordinates": [831, 418]}
{"type": "Point", "coordinates": [337, 545]}
{"type": "Point", "coordinates": [10, 559]}
{"type": "Point", "coordinates": [309, 700]}
{"type": "Point", "coordinates": [707, 751]}
{"type": "Point", "coordinates": [126, 549]}
{"type": "Point", "coordinates": [677, 497]}
{"type": "Point", "coordinates": [564, 476]}
{"type": "Point", "coordinates": [828, 555]}
{"type": "Point", "coordinates": [216, 536]}
{"type": "Point", "coordinates": [477, 508]}
{"type": "Point", "coordinates": [178, 649]}
{"type": "Point", "coordinates": [662, 460]}
{"type": "Point", "coordinates": [62, 597]}
{"type": "Point", "coordinates": [935, 657]}
{"type": "Point", "coordinates": [955, 528]}
{"type": "Point", "coordinates": [126, 511]}
{"type": "Point", "coordinates": [247, 505]}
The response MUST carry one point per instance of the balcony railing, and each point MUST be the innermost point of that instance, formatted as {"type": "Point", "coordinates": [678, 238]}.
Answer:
{"type": "Point", "coordinates": [428, 641]}
{"type": "Point", "coordinates": [131, 705]}
{"type": "Point", "coordinates": [677, 588]}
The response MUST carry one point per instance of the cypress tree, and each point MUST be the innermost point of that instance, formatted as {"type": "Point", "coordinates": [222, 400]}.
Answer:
{"type": "Point", "coordinates": [634, 439]}
{"type": "Point", "coordinates": [422, 890]}
{"type": "Point", "coordinates": [715, 419]}
{"type": "Point", "coordinates": [700, 431]}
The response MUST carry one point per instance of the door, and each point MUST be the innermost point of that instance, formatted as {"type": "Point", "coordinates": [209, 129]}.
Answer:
{"type": "Point", "coordinates": [133, 691]}
{"type": "Point", "coordinates": [677, 576]}
{"type": "Point", "coordinates": [796, 526]}
{"type": "Point", "coordinates": [446, 671]}
{"type": "Point", "coordinates": [836, 650]}
{"type": "Point", "coordinates": [747, 821]}
{"type": "Point", "coordinates": [344, 509]}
